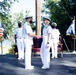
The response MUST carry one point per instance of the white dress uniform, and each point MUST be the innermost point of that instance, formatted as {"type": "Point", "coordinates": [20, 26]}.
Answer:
{"type": "Point", "coordinates": [45, 52]}
{"type": "Point", "coordinates": [55, 40]}
{"type": "Point", "coordinates": [28, 42]}
{"type": "Point", "coordinates": [20, 44]}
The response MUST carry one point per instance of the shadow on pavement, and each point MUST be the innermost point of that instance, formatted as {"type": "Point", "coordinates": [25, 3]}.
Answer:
{"type": "Point", "coordinates": [10, 65]}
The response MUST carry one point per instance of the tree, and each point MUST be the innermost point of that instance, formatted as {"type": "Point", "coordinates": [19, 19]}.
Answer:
{"type": "Point", "coordinates": [60, 12]}
{"type": "Point", "coordinates": [5, 16]}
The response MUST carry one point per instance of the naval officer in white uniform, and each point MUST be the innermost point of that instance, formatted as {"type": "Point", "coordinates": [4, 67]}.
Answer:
{"type": "Point", "coordinates": [46, 43]}
{"type": "Point", "coordinates": [55, 40]}
{"type": "Point", "coordinates": [19, 41]}
{"type": "Point", "coordinates": [28, 41]}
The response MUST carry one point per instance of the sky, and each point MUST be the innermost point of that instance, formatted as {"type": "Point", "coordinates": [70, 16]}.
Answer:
{"type": "Point", "coordinates": [24, 5]}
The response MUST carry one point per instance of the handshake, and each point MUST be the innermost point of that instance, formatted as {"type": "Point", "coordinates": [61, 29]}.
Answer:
{"type": "Point", "coordinates": [33, 35]}
{"type": "Point", "coordinates": [37, 36]}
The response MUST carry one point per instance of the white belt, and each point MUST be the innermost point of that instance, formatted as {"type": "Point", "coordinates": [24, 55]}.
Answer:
{"type": "Point", "coordinates": [52, 38]}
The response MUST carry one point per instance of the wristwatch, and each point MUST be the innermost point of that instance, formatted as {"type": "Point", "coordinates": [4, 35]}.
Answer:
{"type": "Point", "coordinates": [47, 42]}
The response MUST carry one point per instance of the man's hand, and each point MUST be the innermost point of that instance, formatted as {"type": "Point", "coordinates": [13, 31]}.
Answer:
{"type": "Point", "coordinates": [38, 36]}
{"type": "Point", "coordinates": [47, 45]}
{"type": "Point", "coordinates": [33, 35]}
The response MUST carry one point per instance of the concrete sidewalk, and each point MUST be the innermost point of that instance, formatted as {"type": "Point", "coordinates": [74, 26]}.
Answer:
{"type": "Point", "coordinates": [10, 65]}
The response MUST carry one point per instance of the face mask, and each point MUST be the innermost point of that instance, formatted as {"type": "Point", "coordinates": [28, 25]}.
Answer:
{"type": "Point", "coordinates": [53, 26]}
{"type": "Point", "coordinates": [31, 22]}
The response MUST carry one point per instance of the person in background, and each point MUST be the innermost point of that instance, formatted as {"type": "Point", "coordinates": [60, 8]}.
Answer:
{"type": "Point", "coordinates": [55, 40]}
{"type": "Point", "coordinates": [46, 43]}
{"type": "Point", "coordinates": [28, 41]}
{"type": "Point", "coordinates": [19, 41]}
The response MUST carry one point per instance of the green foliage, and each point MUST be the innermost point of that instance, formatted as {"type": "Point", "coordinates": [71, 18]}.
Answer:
{"type": "Point", "coordinates": [5, 17]}
{"type": "Point", "coordinates": [7, 25]}
{"type": "Point", "coordinates": [11, 50]}
{"type": "Point", "coordinates": [33, 27]}
{"type": "Point", "coordinates": [17, 17]}
{"type": "Point", "coordinates": [5, 6]}
{"type": "Point", "coordinates": [59, 12]}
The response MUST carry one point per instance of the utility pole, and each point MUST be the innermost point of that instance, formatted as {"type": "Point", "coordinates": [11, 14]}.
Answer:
{"type": "Point", "coordinates": [37, 41]}
{"type": "Point", "coordinates": [38, 17]}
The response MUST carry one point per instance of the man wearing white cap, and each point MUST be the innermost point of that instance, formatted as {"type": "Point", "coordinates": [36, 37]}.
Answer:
{"type": "Point", "coordinates": [46, 43]}
{"type": "Point", "coordinates": [55, 40]}
{"type": "Point", "coordinates": [28, 41]}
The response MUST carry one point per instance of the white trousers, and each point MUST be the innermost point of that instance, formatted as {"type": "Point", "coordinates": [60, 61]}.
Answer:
{"type": "Point", "coordinates": [54, 48]}
{"type": "Point", "coordinates": [20, 46]}
{"type": "Point", "coordinates": [28, 45]}
{"type": "Point", "coordinates": [45, 54]}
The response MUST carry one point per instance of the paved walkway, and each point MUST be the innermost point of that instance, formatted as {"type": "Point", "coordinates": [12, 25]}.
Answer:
{"type": "Point", "coordinates": [10, 65]}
